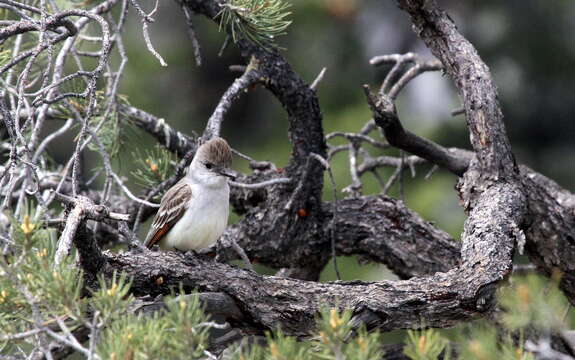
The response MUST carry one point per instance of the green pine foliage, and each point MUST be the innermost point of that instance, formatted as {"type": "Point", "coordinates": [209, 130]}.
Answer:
{"type": "Point", "coordinates": [181, 332]}
{"type": "Point", "coordinates": [534, 301]}
{"type": "Point", "coordinates": [260, 21]}
{"type": "Point", "coordinates": [279, 347]}
{"type": "Point", "coordinates": [35, 293]}
{"type": "Point", "coordinates": [528, 302]}
{"type": "Point", "coordinates": [426, 345]}
{"type": "Point", "coordinates": [153, 166]}
{"type": "Point", "coordinates": [482, 341]}
{"type": "Point", "coordinates": [107, 125]}
{"type": "Point", "coordinates": [335, 339]}
{"type": "Point", "coordinates": [32, 288]}
{"type": "Point", "coordinates": [112, 299]}
{"type": "Point", "coordinates": [338, 340]}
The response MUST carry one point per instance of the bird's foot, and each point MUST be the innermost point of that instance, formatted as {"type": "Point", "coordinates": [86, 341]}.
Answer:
{"type": "Point", "coordinates": [190, 253]}
{"type": "Point", "coordinates": [209, 252]}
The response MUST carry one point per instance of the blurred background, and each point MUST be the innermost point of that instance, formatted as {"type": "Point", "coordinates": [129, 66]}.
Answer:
{"type": "Point", "coordinates": [527, 44]}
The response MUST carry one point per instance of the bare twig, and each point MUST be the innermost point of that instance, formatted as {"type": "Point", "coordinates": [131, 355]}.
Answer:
{"type": "Point", "coordinates": [192, 35]}
{"type": "Point", "coordinates": [354, 189]}
{"type": "Point", "coordinates": [83, 208]}
{"type": "Point", "coordinates": [21, 335]}
{"type": "Point", "coordinates": [65, 242]}
{"type": "Point", "coordinates": [333, 222]}
{"type": "Point", "coordinates": [147, 19]}
{"type": "Point", "coordinates": [386, 117]}
{"type": "Point", "coordinates": [129, 193]}
{"type": "Point", "coordinates": [389, 161]}
{"type": "Point", "coordinates": [262, 184]}
{"type": "Point", "coordinates": [318, 79]}
{"type": "Point", "coordinates": [249, 77]}
{"type": "Point", "coordinates": [399, 60]}
{"type": "Point", "coordinates": [359, 137]}
{"type": "Point", "coordinates": [457, 111]}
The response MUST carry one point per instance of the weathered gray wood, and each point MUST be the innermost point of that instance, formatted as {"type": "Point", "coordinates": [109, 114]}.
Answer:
{"type": "Point", "coordinates": [492, 191]}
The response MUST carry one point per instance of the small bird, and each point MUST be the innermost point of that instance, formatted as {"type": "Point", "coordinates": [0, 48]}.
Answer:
{"type": "Point", "coordinates": [193, 213]}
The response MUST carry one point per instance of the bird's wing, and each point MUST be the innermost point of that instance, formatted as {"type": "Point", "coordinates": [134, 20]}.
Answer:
{"type": "Point", "coordinates": [173, 205]}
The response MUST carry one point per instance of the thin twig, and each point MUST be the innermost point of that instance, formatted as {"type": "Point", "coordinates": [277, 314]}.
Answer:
{"type": "Point", "coordinates": [192, 35]}
{"type": "Point", "coordinates": [334, 219]}
{"type": "Point", "coordinates": [130, 194]}
{"type": "Point", "coordinates": [248, 78]}
{"type": "Point", "coordinates": [65, 243]}
{"type": "Point", "coordinates": [262, 184]}
{"type": "Point", "coordinates": [147, 19]}
{"type": "Point", "coordinates": [318, 79]}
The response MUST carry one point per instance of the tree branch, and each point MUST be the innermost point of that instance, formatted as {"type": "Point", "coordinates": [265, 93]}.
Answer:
{"type": "Point", "coordinates": [173, 140]}
{"type": "Point", "coordinates": [473, 81]}
{"type": "Point", "coordinates": [377, 228]}
{"type": "Point", "coordinates": [385, 116]}
{"type": "Point", "coordinates": [248, 78]}
{"type": "Point", "coordinates": [305, 132]}
{"type": "Point", "coordinates": [439, 300]}
{"type": "Point", "coordinates": [83, 208]}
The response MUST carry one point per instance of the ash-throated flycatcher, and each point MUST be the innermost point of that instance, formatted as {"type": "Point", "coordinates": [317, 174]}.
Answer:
{"type": "Point", "coordinates": [193, 214]}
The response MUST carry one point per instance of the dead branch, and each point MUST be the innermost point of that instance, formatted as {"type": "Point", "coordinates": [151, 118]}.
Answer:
{"type": "Point", "coordinates": [248, 78]}
{"type": "Point", "coordinates": [385, 117]}
{"type": "Point", "coordinates": [286, 225]}
{"type": "Point", "coordinates": [83, 208]}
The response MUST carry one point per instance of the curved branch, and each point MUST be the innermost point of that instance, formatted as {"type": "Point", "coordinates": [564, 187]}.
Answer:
{"type": "Point", "coordinates": [24, 26]}
{"type": "Point", "coordinates": [267, 302]}
{"type": "Point", "coordinates": [173, 140]}
{"type": "Point", "coordinates": [385, 117]}
{"type": "Point", "coordinates": [305, 133]}
{"type": "Point", "coordinates": [248, 78]}
{"type": "Point", "coordinates": [474, 83]}
{"type": "Point", "coordinates": [550, 228]}
{"type": "Point", "coordinates": [551, 208]}
{"type": "Point", "coordinates": [377, 228]}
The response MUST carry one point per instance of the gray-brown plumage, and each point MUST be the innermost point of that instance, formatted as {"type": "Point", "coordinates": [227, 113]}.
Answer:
{"type": "Point", "coordinates": [173, 205]}
{"type": "Point", "coordinates": [194, 212]}
{"type": "Point", "coordinates": [217, 151]}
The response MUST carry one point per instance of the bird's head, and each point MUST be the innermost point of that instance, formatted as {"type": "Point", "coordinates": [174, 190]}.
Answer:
{"type": "Point", "coordinates": [212, 163]}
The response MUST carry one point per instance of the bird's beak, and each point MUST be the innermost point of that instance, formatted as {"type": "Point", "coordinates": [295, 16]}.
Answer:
{"type": "Point", "coordinates": [227, 173]}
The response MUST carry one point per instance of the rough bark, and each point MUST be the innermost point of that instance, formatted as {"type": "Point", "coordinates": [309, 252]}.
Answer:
{"type": "Point", "coordinates": [287, 225]}
{"type": "Point", "coordinates": [550, 234]}
{"type": "Point", "coordinates": [377, 228]}
{"type": "Point", "coordinates": [491, 192]}
{"type": "Point", "coordinates": [551, 216]}
{"type": "Point", "coordinates": [473, 80]}
{"type": "Point", "coordinates": [306, 135]}
{"type": "Point", "coordinates": [267, 301]}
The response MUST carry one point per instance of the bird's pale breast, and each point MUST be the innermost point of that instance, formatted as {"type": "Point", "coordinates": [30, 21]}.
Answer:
{"type": "Point", "coordinates": [203, 222]}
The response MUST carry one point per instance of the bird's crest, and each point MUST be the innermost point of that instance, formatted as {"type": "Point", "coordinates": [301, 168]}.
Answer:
{"type": "Point", "coordinates": [217, 151]}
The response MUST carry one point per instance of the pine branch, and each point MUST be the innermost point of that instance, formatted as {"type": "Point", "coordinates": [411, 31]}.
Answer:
{"type": "Point", "coordinates": [260, 21]}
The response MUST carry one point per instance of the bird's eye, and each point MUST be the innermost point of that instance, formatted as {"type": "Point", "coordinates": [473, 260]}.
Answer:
{"type": "Point", "coordinates": [209, 165]}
